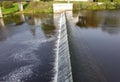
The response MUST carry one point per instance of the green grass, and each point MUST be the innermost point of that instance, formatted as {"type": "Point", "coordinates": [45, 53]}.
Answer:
{"type": "Point", "coordinates": [95, 6]}
{"type": "Point", "coordinates": [11, 10]}
{"type": "Point", "coordinates": [47, 7]}
{"type": "Point", "coordinates": [39, 7]}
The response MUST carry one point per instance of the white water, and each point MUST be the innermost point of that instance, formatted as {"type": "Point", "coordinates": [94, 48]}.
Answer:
{"type": "Point", "coordinates": [19, 74]}
{"type": "Point", "coordinates": [62, 64]}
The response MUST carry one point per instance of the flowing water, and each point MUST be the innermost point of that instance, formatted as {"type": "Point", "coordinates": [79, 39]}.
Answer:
{"type": "Point", "coordinates": [94, 38]}
{"type": "Point", "coordinates": [64, 73]}
{"type": "Point", "coordinates": [27, 46]}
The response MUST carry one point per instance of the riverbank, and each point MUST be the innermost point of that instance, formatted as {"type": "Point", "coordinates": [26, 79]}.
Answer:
{"type": "Point", "coordinates": [39, 7]}
{"type": "Point", "coordinates": [47, 7]}
{"type": "Point", "coordinates": [96, 5]}
{"type": "Point", "coordinates": [6, 11]}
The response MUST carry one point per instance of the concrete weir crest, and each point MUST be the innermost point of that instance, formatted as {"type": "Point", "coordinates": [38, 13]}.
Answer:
{"type": "Point", "coordinates": [63, 64]}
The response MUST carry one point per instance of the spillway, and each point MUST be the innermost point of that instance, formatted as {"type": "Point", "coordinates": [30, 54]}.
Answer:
{"type": "Point", "coordinates": [63, 65]}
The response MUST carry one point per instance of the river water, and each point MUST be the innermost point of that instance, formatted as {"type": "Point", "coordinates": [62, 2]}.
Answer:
{"type": "Point", "coordinates": [27, 47]}
{"type": "Point", "coordinates": [27, 44]}
{"type": "Point", "coordinates": [94, 38]}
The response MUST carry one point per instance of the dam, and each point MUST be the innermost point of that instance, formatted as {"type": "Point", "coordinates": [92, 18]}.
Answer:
{"type": "Point", "coordinates": [64, 73]}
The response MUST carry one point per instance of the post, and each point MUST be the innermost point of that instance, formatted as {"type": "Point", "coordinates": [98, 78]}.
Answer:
{"type": "Point", "coordinates": [20, 6]}
{"type": "Point", "coordinates": [60, 7]}
{"type": "Point", "coordinates": [0, 12]}
{"type": "Point", "coordinates": [36, 0]}
{"type": "Point", "coordinates": [68, 1]}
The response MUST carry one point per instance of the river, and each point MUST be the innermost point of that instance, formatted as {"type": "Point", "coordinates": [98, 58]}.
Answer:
{"type": "Point", "coordinates": [94, 38]}
{"type": "Point", "coordinates": [27, 44]}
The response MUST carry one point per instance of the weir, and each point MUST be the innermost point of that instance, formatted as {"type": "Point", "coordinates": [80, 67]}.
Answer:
{"type": "Point", "coordinates": [63, 65]}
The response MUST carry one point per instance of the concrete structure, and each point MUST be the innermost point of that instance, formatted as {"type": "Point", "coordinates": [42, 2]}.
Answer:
{"type": "Point", "coordinates": [62, 61]}
{"type": "Point", "coordinates": [35, 0]}
{"type": "Point", "coordinates": [58, 8]}
{"type": "Point", "coordinates": [74, 0]}
{"type": "Point", "coordinates": [0, 12]}
{"type": "Point", "coordinates": [20, 6]}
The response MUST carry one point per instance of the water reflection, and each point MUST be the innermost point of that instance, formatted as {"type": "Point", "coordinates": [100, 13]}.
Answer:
{"type": "Point", "coordinates": [2, 24]}
{"type": "Point", "coordinates": [33, 31]}
{"type": "Point", "coordinates": [13, 19]}
{"type": "Point", "coordinates": [3, 30]}
{"type": "Point", "coordinates": [87, 19]}
{"type": "Point", "coordinates": [101, 35]}
{"type": "Point", "coordinates": [11, 25]}
{"type": "Point", "coordinates": [22, 18]}
{"type": "Point", "coordinates": [81, 21]}
{"type": "Point", "coordinates": [108, 21]}
{"type": "Point", "coordinates": [111, 23]}
{"type": "Point", "coordinates": [46, 24]}
{"type": "Point", "coordinates": [26, 48]}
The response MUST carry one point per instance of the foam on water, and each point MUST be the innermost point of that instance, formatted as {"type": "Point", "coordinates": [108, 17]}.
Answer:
{"type": "Point", "coordinates": [62, 63]}
{"type": "Point", "coordinates": [19, 74]}
{"type": "Point", "coordinates": [26, 55]}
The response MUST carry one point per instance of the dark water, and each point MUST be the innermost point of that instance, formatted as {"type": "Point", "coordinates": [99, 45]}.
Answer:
{"type": "Point", "coordinates": [95, 46]}
{"type": "Point", "coordinates": [27, 48]}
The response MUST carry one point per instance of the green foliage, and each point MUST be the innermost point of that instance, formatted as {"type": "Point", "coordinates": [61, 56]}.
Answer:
{"type": "Point", "coordinates": [7, 4]}
{"type": "Point", "coordinates": [117, 5]}
{"type": "Point", "coordinates": [77, 6]}
{"type": "Point", "coordinates": [38, 7]}
{"type": "Point", "coordinates": [116, 0]}
{"type": "Point", "coordinates": [103, 0]}
{"type": "Point", "coordinates": [12, 9]}
{"type": "Point", "coordinates": [96, 5]}
{"type": "Point", "coordinates": [92, 6]}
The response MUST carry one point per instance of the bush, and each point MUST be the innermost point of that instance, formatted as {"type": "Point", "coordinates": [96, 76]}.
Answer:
{"type": "Point", "coordinates": [77, 6]}
{"type": "Point", "coordinates": [38, 7]}
{"type": "Point", "coordinates": [7, 4]}
{"type": "Point", "coordinates": [109, 5]}
{"type": "Point", "coordinates": [117, 5]}
{"type": "Point", "coordinates": [103, 0]}
{"type": "Point", "coordinates": [116, 0]}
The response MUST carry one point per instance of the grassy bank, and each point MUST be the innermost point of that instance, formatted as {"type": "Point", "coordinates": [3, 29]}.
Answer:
{"type": "Point", "coordinates": [96, 5]}
{"type": "Point", "coordinates": [39, 7]}
{"type": "Point", "coordinates": [11, 10]}
{"type": "Point", "coordinates": [47, 7]}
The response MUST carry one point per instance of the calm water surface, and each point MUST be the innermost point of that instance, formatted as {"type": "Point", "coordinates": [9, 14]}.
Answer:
{"type": "Point", "coordinates": [95, 46]}
{"type": "Point", "coordinates": [27, 48]}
